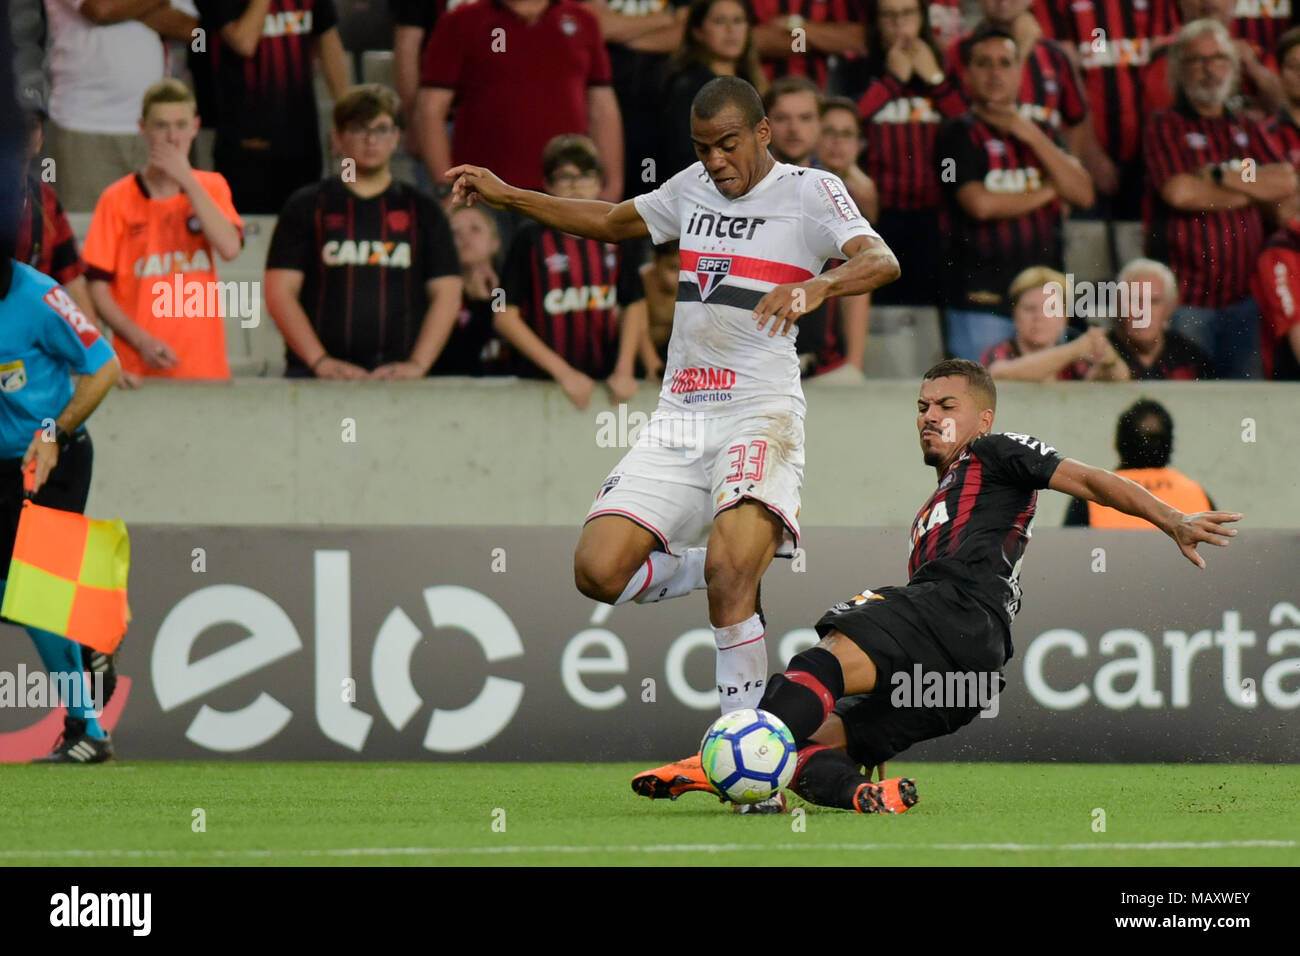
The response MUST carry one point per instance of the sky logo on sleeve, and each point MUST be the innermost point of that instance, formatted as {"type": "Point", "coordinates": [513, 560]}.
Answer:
{"type": "Point", "coordinates": [710, 271]}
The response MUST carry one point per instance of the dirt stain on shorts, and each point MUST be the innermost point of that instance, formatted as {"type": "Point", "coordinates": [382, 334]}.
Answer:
{"type": "Point", "coordinates": [783, 435]}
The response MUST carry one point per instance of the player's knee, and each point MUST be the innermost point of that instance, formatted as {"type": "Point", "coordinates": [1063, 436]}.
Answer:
{"type": "Point", "coordinates": [727, 581]}
{"type": "Point", "coordinates": [597, 579]}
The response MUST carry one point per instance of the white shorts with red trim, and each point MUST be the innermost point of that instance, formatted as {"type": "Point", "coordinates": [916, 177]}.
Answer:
{"type": "Point", "coordinates": [683, 470]}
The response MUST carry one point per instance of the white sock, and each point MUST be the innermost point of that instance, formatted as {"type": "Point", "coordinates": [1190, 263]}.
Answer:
{"type": "Point", "coordinates": [742, 664]}
{"type": "Point", "coordinates": [665, 576]}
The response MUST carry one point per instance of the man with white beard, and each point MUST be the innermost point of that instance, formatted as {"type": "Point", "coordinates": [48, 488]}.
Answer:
{"type": "Point", "coordinates": [1210, 174]}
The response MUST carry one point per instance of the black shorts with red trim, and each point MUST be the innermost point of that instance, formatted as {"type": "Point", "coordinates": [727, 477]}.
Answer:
{"type": "Point", "coordinates": [927, 628]}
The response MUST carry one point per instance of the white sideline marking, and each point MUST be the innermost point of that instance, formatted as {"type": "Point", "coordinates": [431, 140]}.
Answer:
{"type": "Point", "coordinates": [651, 848]}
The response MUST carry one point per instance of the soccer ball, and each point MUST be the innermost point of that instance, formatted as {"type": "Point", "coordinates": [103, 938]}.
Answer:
{"type": "Point", "coordinates": [748, 755]}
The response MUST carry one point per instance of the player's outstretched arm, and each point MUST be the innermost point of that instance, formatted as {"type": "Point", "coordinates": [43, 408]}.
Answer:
{"type": "Point", "coordinates": [1114, 491]}
{"type": "Point", "coordinates": [592, 218]}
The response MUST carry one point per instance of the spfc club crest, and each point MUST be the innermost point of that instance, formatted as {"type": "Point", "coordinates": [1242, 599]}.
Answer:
{"type": "Point", "coordinates": [709, 272]}
{"type": "Point", "coordinates": [608, 486]}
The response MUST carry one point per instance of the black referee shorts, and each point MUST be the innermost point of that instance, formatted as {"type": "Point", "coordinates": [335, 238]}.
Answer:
{"type": "Point", "coordinates": [932, 626]}
{"type": "Point", "coordinates": [66, 489]}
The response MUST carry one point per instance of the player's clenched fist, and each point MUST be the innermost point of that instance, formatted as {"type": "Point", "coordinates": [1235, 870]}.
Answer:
{"type": "Point", "coordinates": [786, 303]}
{"type": "Point", "coordinates": [475, 182]}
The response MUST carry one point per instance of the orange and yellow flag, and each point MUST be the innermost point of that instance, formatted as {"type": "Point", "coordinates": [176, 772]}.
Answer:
{"type": "Point", "coordinates": [68, 575]}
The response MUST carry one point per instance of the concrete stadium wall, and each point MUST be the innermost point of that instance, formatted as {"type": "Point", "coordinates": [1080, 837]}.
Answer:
{"type": "Point", "coordinates": [463, 452]}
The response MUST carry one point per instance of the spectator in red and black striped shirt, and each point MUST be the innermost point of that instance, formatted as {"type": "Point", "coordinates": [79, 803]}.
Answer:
{"type": "Point", "coordinates": [1261, 90]}
{"type": "Point", "coordinates": [901, 112]}
{"type": "Point", "coordinates": [566, 313]}
{"type": "Point", "coordinates": [1285, 126]}
{"type": "Point", "coordinates": [44, 239]}
{"type": "Point", "coordinates": [263, 56]}
{"type": "Point", "coordinates": [1260, 22]}
{"type": "Point", "coordinates": [1112, 41]}
{"type": "Point", "coordinates": [1051, 90]}
{"type": "Point", "coordinates": [1212, 173]}
{"type": "Point", "coordinates": [826, 28]}
{"type": "Point", "coordinates": [1004, 179]}
{"type": "Point", "coordinates": [1276, 285]}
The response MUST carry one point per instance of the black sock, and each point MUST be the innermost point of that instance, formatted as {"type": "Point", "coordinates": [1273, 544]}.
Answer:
{"type": "Point", "coordinates": [828, 778]}
{"type": "Point", "coordinates": [805, 694]}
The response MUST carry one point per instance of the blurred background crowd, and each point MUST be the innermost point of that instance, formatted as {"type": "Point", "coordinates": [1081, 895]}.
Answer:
{"type": "Point", "coordinates": [1075, 189]}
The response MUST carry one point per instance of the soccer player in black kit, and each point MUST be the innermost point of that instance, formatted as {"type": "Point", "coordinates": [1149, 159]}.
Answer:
{"type": "Point", "coordinates": [953, 616]}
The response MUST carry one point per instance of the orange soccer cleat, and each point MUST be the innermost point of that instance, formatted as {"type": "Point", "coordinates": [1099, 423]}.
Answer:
{"type": "Point", "coordinates": [672, 780]}
{"type": "Point", "coordinates": [888, 796]}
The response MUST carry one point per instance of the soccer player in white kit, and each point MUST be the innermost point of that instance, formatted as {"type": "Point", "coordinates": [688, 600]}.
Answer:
{"type": "Point", "coordinates": [723, 453]}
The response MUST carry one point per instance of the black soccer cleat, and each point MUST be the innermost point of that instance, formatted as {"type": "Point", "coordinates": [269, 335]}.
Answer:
{"type": "Point", "coordinates": [97, 662]}
{"type": "Point", "coordinates": [75, 747]}
{"type": "Point", "coordinates": [889, 796]}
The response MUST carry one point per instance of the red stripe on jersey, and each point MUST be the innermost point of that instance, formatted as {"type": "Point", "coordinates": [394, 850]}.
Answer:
{"type": "Point", "coordinates": [318, 220]}
{"type": "Point", "coordinates": [383, 270]}
{"type": "Point", "coordinates": [597, 317]}
{"type": "Point", "coordinates": [971, 484]}
{"type": "Point", "coordinates": [352, 271]}
{"type": "Point", "coordinates": [748, 267]}
{"type": "Point", "coordinates": [557, 337]}
{"type": "Point", "coordinates": [1014, 544]}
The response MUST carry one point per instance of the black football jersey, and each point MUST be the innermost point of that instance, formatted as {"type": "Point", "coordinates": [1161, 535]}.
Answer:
{"type": "Point", "coordinates": [974, 529]}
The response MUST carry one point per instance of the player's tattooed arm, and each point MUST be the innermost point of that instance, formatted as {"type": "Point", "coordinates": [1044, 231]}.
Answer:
{"type": "Point", "coordinates": [593, 218]}
{"type": "Point", "coordinates": [1114, 491]}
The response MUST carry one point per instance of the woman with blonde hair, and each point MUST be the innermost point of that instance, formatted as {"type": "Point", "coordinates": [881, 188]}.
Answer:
{"type": "Point", "coordinates": [1033, 354]}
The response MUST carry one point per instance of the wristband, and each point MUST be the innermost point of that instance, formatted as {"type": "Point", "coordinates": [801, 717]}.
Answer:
{"type": "Point", "coordinates": [316, 363]}
{"type": "Point", "coordinates": [1216, 173]}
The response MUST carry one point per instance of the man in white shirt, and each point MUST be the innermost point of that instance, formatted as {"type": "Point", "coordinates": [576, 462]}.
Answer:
{"type": "Point", "coordinates": [723, 453]}
{"type": "Point", "coordinates": [103, 55]}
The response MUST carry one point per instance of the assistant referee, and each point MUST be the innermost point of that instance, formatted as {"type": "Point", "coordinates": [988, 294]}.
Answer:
{"type": "Point", "coordinates": [45, 339]}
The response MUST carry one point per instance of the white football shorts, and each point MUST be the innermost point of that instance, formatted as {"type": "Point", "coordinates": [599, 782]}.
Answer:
{"type": "Point", "coordinates": [683, 470]}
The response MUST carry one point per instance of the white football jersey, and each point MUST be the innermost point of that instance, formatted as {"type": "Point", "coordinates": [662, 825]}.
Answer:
{"type": "Point", "coordinates": [733, 251]}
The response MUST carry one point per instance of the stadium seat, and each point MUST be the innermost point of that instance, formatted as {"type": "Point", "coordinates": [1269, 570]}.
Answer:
{"type": "Point", "coordinates": [903, 342]}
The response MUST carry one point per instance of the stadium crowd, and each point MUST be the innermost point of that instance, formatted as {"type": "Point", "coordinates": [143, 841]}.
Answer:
{"type": "Point", "coordinates": [970, 133]}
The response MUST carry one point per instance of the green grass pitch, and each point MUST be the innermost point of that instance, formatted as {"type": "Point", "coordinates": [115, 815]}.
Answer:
{"type": "Point", "coordinates": [331, 814]}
